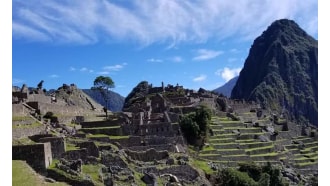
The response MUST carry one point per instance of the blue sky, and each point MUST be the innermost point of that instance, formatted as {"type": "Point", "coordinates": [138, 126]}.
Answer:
{"type": "Point", "coordinates": [197, 43]}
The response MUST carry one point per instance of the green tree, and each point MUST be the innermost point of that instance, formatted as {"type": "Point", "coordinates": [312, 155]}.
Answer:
{"type": "Point", "coordinates": [190, 128]}
{"type": "Point", "coordinates": [195, 125]}
{"type": "Point", "coordinates": [104, 84]}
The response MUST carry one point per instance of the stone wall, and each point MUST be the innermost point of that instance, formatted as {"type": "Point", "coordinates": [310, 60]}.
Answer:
{"type": "Point", "coordinates": [91, 148]}
{"type": "Point", "coordinates": [38, 156]}
{"type": "Point", "coordinates": [106, 131]}
{"type": "Point", "coordinates": [149, 155]}
{"type": "Point", "coordinates": [57, 145]}
{"type": "Point", "coordinates": [167, 147]}
{"type": "Point", "coordinates": [94, 124]}
{"type": "Point", "coordinates": [75, 154]}
{"type": "Point", "coordinates": [18, 133]}
{"type": "Point", "coordinates": [19, 110]}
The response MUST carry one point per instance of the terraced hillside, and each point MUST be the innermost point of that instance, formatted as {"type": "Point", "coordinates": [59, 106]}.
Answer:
{"type": "Point", "coordinates": [232, 142]}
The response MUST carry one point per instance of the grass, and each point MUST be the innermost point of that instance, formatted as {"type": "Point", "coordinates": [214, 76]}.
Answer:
{"type": "Point", "coordinates": [208, 148]}
{"type": "Point", "coordinates": [32, 125]}
{"type": "Point", "coordinates": [306, 164]}
{"type": "Point", "coordinates": [96, 135]}
{"type": "Point", "coordinates": [93, 171]}
{"type": "Point", "coordinates": [259, 148]}
{"type": "Point", "coordinates": [202, 165]}
{"type": "Point", "coordinates": [119, 137]}
{"type": "Point", "coordinates": [21, 118]}
{"type": "Point", "coordinates": [70, 146]}
{"type": "Point", "coordinates": [22, 141]}
{"type": "Point", "coordinates": [22, 174]}
{"type": "Point", "coordinates": [267, 154]}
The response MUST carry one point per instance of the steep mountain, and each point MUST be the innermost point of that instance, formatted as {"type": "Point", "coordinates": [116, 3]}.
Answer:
{"type": "Point", "coordinates": [281, 72]}
{"type": "Point", "coordinates": [227, 87]}
{"type": "Point", "coordinates": [115, 103]}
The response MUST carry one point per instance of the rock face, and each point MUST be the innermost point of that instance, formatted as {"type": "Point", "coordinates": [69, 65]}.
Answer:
{"type": "Point", "coordinates": [281, 72]}
{"type": "Point", "coordinates": [227, 87]}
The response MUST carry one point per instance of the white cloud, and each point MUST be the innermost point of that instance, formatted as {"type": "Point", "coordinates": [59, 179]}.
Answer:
{"type": "Point", "coordinates": [200, 78]}
{"type": "Point", "coordinates": [113, 68]}
{"type": "Point", "coordinates": [103, 73]}
{"type": "Point", "coordinates": [17, 81]}
{"type": "Point", "coordinates": [157, 21]}
{"type": "Point", "coordinates": [54, 76]}
{"type": "Point", "coordinates": [227, 73]}
{"type": "Point", "coordinates": [72, 69]}
{"type": "Point", "coordinates": [234, 50]}
{"type": "Point", "coordinates": [177, 59]}
{"type": "Point", "coordinates": [152, 60]}
{"type": "Point", "coordinates": [84, 69]}
{"type": "Point", "coordinates": [203, 54]}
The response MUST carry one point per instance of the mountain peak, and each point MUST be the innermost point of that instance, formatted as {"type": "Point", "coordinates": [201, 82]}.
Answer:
{"type": "Point", "coordinates": [281, 71]}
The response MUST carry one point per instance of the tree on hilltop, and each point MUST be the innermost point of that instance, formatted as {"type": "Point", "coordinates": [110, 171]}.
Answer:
{"type": "Point", "coordinates": [104, 84]}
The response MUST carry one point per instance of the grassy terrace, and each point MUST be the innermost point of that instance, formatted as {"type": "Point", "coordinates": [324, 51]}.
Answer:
{"type": "Point", "coordinates": [24, 175]}
{"type": "Point", "coordinates": [93, 171]}
{"type": "Point", "coordinates": [259, 148]}
{"type": "Point", "coordinates": [202, 165]}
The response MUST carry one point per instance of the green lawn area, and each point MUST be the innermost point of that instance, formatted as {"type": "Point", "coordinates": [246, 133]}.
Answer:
{"type": "Point", "coordinates": [202, 165]}
{"type": "Point", "coordinates": [24, 175]}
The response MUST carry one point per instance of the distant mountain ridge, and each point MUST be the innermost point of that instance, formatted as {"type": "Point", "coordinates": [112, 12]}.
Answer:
{"type": "Point", "coordinates": [115, 103]}
{"type": "Point", "coordinates": [227, 87]}
{"type": "Point", "coordinates": [281, 72]}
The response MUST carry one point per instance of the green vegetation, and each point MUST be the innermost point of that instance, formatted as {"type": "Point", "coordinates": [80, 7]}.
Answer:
{"type": "Point", "coordinates": [22, 141]}
{"type": "Point", "coordinates": [103, 84]}
{"type": "Point", "coordinates": [24, 175]}
{"type": "Point", "coordinates": [20, 118]}
{"type": "Point", "coordinates": [195, 125]}
{"type": "Point", "coordinates": [119, 137]}
{"type": "Point", "coordinates": [250, 174]}
{"type": "Point", "coordinates": [32, 125]}
{"type": "Point", "coordinates": [70, 146]}
{"type": "Point", "coordinates": [93, 171]}
{"type": "Point", "coordinates": [202, 165]}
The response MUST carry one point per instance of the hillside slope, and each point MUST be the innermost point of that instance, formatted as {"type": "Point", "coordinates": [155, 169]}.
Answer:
{"type": "Point", "coordinates": [227, 87]}
{"type": "Point", "coordinates": [115, 103]}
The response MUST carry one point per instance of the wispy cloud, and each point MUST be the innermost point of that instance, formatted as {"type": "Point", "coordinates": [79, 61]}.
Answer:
{"type": "Point", "coordinates": [103, 73]}
{"type": "Point", "coordinates": [156, 21]}
{"type": "Point", "coordinates": [152, 60]}
{"type": "Point", "coordinates": [234, 50]}
{"type": "Point", "coordinates": [227, 73]}
{"type": "Point", "coordinates": [204, 54]}
{"type": "Point", "coordinates": [113, 68]}
{"type": "Point", "coordinates": [54, 76]}
{"type": "Point", "coordinates": [177, 59]}
{"type": "Point", "coordinates": [72, 69]}
{"type": "Point", "coordinates": [200, 78]}
{"type": "Point", "coordinates": [17, 81]}
{"type": "Point", "coordinates": [84, 69]}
